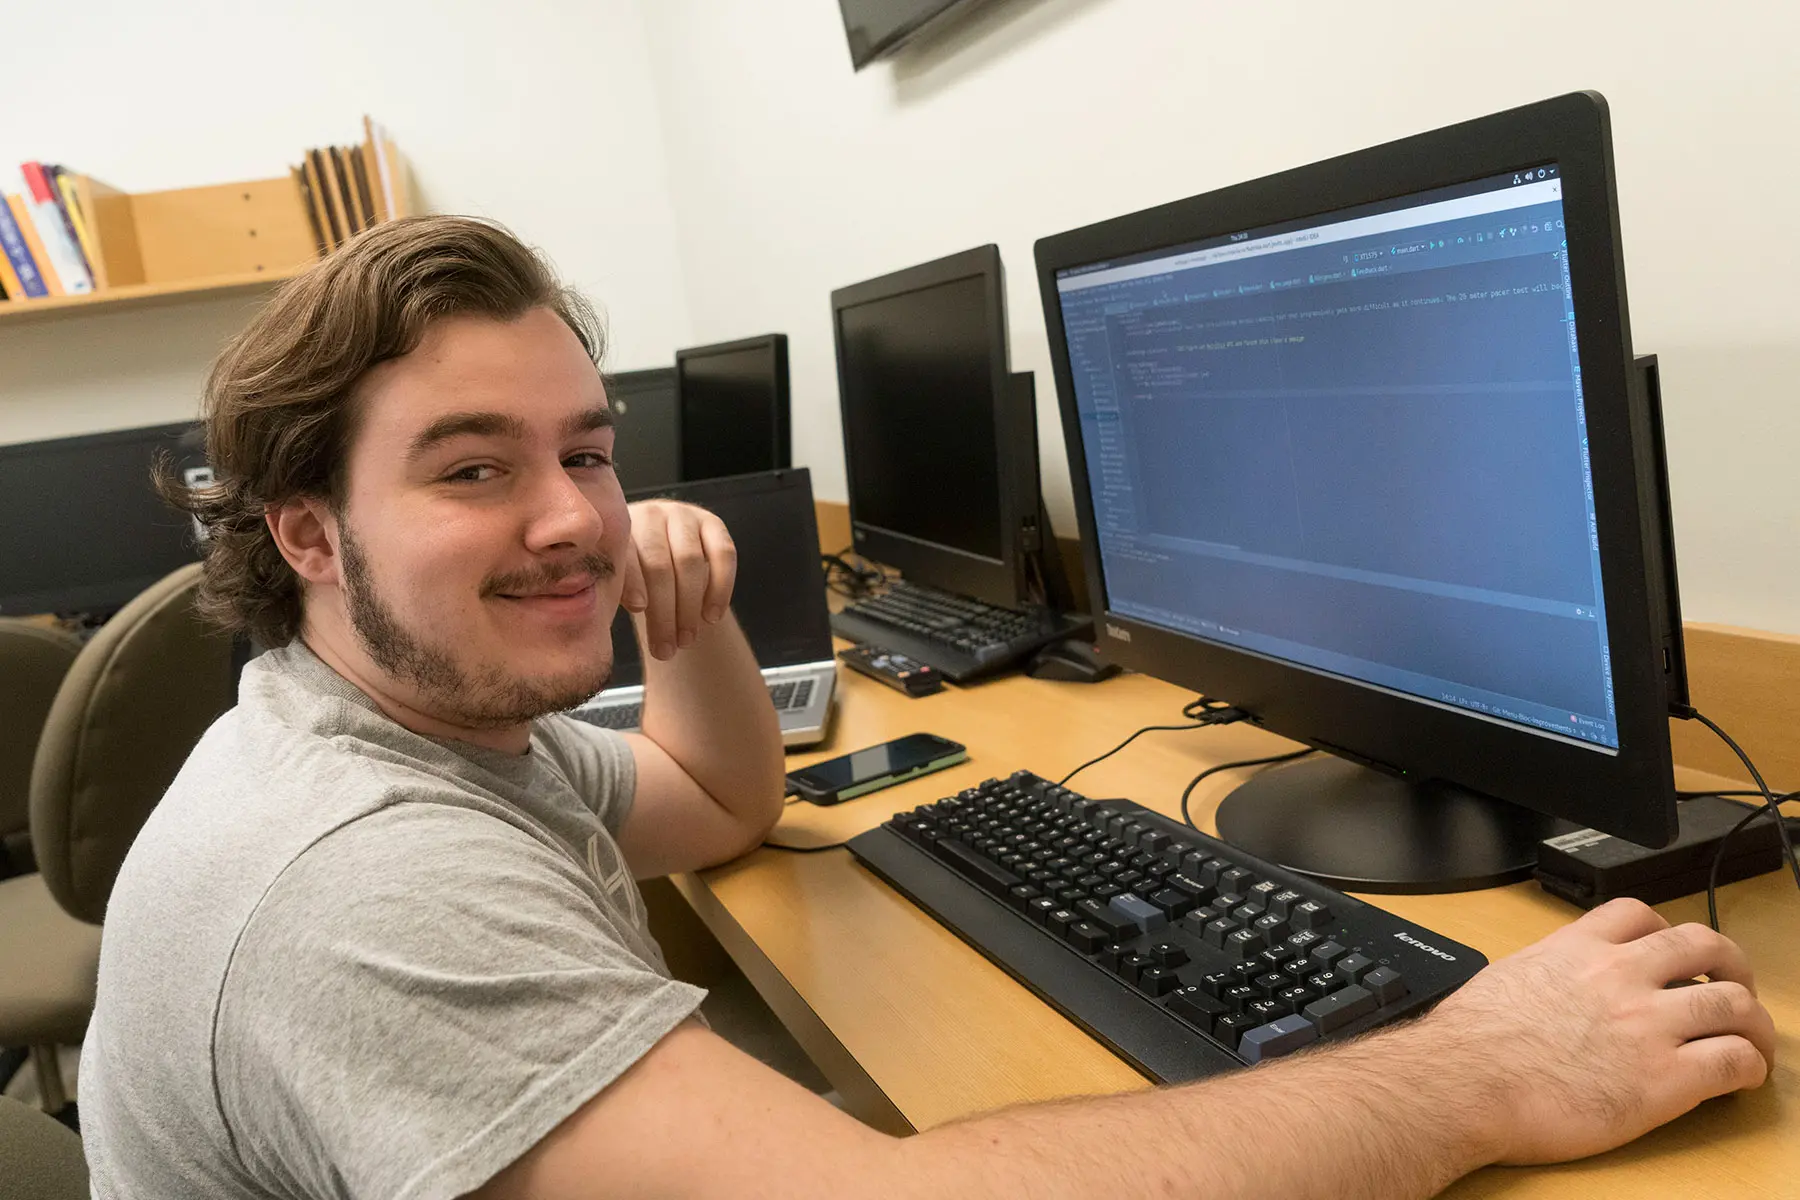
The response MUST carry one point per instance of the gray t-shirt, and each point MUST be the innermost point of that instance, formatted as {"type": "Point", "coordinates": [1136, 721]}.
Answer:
{"type": "Point", "coordinates": [344, 959]}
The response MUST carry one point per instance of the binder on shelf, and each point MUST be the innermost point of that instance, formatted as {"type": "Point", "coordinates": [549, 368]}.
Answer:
{"type": "Point", "coordinates": [372, 172]}
{"type": "Point", "coordinates": [346, 190]}
{"type": "Point", "coordinates": [391, 170]}
{"type": "Point", "coordinates": [360, 178]}
{"type": "Point", "coordinates": [334, 213]}
{"type": "Point", "coordinates": [312, 214]}
{"type": "Point", "coordinates": [321, 207]}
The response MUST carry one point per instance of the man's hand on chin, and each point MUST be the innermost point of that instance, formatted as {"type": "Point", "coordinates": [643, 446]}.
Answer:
{"type": "Point", "coordinates": [679, 575]}
{"type": "Point", "coordinates": [710, 759]}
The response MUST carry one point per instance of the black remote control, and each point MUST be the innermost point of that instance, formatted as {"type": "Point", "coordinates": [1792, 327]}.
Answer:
{"type": "Point", "coordinates": [896, 670]}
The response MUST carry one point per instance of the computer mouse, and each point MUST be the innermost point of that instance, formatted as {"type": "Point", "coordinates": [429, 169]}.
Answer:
{"type": "Point", "coordinates": [1071, 661]}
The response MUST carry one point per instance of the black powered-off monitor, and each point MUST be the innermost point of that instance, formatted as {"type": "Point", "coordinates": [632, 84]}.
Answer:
{"type": "Point", "coordinates": [733, 401]}
{"type": "Point", "coordinates": [940, 439]}
{"type": "Point", "coordinates": [648, 442]}
{"type": "Point", "coordinates": [1362, 449]}
{"type": "Point", "coordinates": [82, 529]}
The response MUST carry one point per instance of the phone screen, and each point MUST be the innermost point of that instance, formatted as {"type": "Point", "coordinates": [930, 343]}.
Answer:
{"type": "Point", "coordinates": [889, 758]}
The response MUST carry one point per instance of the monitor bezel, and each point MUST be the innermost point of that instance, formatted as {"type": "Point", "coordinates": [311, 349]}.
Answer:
{"type": "Point", "coordinates": [996, 580]}
{"type": "Point", "coordinates": [1630, 792]}
{"type": "Point", "coordinates": [781, 447]}
{"type": "Point", "coordinates": [114, 593]}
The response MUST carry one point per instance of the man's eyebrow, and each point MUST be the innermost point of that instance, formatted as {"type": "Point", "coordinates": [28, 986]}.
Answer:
{"type": "Point", "coordinates": [588, 420]}
{"type": "Point", "coordinates": [451, 425]}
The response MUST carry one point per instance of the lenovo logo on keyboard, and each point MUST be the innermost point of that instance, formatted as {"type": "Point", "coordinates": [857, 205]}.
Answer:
{"type": "Point", "coordinates": [1431, 950]}
{"type": "Point", "coordinates": [1119, 632]}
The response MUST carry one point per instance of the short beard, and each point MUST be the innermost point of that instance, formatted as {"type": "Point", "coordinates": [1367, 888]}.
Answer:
{"type": "Point", "coordinates": [485, 697]}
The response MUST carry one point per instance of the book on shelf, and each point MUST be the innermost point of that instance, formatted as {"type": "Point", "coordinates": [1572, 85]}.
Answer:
{"type": "Point", "coordinates": [41, 239]}
{"type": "Point", "coordinates": [22, 219]}
{"type": "Point", "coordinates": [56, 231]}
{"type": "Point", "coordinates": [21, 267]}
{"type": "Point", "coordinates": [70, 197]}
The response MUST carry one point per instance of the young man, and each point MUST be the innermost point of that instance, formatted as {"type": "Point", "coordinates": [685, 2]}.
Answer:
{"type": "Point", "coordinates": [381, 938]}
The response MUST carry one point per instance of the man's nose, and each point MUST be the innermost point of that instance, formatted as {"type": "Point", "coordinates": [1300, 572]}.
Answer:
{"type": "Point", "coordinates": [563, 516]}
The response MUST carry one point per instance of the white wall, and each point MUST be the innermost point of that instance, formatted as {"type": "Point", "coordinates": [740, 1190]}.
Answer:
{"type": "Point", "coordinates": [539, 114]}
{"type": "Point", "coordinates": [792, 176]}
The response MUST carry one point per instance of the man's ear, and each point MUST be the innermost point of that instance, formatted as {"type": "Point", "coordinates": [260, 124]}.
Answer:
{"type": "Point", "coordinates": [305, 531]}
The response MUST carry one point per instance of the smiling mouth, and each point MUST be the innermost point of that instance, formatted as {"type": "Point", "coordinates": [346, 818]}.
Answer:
{"type": "Point", "coordinates": [566, 591]}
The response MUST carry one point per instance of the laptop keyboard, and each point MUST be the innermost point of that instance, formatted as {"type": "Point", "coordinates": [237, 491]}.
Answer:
{"type": "Point", "coordinates": [615, 716]}
{"type": "Point", "coordinates": [790, 695]}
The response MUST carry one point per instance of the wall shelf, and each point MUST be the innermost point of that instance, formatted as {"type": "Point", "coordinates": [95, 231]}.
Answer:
{"type": "Point", "coordinates": [153, 248]}
{"type": "Point", "coordinates": [141, 295]}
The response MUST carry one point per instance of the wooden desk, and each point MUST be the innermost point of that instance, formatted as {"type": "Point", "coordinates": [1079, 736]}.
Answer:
{"type": "Point", "coordinates": [916, 1029]}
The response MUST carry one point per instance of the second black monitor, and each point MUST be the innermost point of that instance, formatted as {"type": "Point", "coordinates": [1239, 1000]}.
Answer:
{"type": "Point", "coordinates": [733, 403]}
{"type": "Point", "coordinates": [937, 433]}
{"type": "Point", "coordinates": [84, 530]}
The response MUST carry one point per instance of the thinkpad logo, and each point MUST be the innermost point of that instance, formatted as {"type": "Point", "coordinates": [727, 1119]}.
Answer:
{"type": "Point", "coordinates": [1115, 631]}
{"type": "Point", "coordinates": [1431, 950]}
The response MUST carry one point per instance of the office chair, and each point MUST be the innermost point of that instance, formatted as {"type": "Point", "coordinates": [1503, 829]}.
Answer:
{"type": "Point", "coordinates": [130, 709]}
{"type": "Point", "coordinates": [40, 1158]}
{"type": "Point", "coordinates": [33, 660]}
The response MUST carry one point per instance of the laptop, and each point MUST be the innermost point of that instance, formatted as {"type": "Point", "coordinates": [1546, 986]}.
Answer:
{"type": "Point", "coordinates": [779, 600]}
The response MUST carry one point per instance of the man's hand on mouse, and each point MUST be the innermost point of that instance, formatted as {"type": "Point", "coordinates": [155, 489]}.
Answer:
{"type": "Point", "coordinates": [1585, 1044]}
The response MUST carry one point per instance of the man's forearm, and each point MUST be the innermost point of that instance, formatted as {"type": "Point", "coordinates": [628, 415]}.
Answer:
{"type": "Point", "coordinates": [709, 709]}
{"type": "Point", "coordinates": [1399, 1114]}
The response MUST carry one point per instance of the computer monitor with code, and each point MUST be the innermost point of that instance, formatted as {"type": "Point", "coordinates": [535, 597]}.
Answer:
{"type": "Point", "coordinates": [1361, 449]}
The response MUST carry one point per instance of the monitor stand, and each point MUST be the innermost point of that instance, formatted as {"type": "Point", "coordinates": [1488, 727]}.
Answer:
{"type": "Point", "coordinates": [1362, 831]}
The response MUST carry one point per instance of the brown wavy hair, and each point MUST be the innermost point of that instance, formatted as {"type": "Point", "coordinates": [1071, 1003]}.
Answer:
{"type": "Point", "coordinates": [279, 408]}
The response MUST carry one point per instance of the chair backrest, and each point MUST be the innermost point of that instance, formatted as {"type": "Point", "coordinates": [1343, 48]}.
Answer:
{"type": "Point", "coordinates": [40, 1157]}
{"type": "Point", "coordinates": [33, 660]}
{"type": "Point", "coordinates": [138, 697]}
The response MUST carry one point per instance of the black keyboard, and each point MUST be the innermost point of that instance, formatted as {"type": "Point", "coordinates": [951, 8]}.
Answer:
{"type": "Point", "coordinates": [1184, 955]}
{"type": "Point", "coordinates": [958, 636]}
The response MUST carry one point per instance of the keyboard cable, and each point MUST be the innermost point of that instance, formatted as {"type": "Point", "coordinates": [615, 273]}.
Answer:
{"type": "Point", "coordinates": [1187, 792]}
{"type": "Point", "coordinates": [1770, 807]}
{"type": "Point", "coordinates": [1201, 712]}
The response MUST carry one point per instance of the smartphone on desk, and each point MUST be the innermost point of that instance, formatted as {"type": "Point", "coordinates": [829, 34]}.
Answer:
{"type": "Point", "coordinates": [863, 771]}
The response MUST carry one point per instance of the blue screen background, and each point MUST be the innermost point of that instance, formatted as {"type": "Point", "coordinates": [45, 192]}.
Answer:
{"type": "Point", "coordinates": [1367, 456]}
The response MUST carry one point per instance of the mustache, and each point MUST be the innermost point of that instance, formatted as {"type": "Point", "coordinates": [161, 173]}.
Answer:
{"type": "Point", "coordinates": [595, 566]}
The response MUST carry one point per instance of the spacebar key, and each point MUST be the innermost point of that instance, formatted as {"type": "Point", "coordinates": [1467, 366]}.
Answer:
{"type": "Point", "coordinates": [992, 876]}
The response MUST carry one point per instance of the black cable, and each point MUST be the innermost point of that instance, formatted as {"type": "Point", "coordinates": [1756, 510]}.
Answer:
{"type": "Point", "coordinates": [1203, 706]}
{"type": "Point", "coordinates": [1193, 783]}
{"type": "Point", "coordinates": [1712, 876]}
{"type": "Point", "coordinates": [1771, 805]}
{"type": "Point", "coordinates": [1202, 712]}
{"type": "Point", "coordinates": [855, 580]}
{"type": "Point", "coordinates": [1681, 795]}
{"type": "Point", "coordinates": [804, 849]}
{"type": "Point", "coordinates": [1134, 737]}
